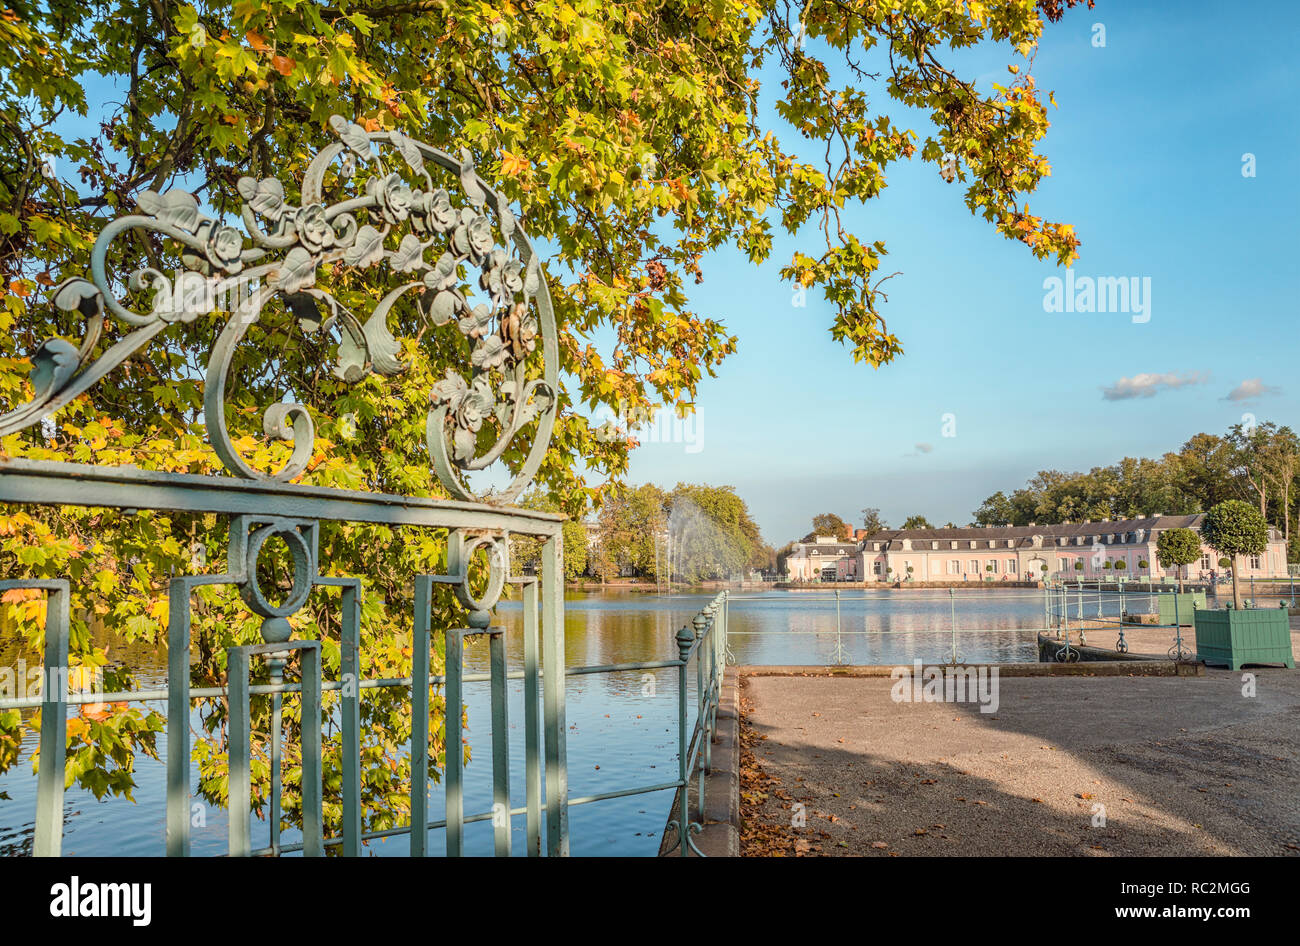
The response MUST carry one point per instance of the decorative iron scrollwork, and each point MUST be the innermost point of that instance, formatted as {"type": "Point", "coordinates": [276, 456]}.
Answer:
{"type": "Point", "coordinates": [445, 243]}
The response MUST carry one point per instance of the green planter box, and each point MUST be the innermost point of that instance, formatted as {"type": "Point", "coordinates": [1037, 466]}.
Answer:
{"type": "Point", "coordinates": [1236, 638]}
{"type": "Point", "coordinates": [1188, 603]}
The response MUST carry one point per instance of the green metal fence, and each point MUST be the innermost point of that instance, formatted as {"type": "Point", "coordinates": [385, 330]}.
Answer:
{"type": "Point", "coordinates": [1075, 609]}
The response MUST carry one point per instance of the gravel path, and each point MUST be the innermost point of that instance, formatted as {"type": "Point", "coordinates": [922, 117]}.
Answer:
{"type": "Point", "coordinates": [1177, 765]}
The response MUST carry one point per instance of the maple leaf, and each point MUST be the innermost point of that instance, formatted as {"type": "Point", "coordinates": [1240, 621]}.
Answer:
{"type": "Point", "coordinates": [512, 164]}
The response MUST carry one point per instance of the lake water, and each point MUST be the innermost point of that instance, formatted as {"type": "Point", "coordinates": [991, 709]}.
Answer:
{"type": "Point", "coordinates": [621, 731]}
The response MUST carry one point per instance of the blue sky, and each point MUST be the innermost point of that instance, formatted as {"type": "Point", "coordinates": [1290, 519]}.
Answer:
{"type": "Point", "coordinates": [1147, 152]}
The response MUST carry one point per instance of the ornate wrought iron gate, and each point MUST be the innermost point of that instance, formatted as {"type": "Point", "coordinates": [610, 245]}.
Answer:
{"type": "Point", "coordinates": [278, 257]}
{"type": "Point", "coordinates": [507, 390]}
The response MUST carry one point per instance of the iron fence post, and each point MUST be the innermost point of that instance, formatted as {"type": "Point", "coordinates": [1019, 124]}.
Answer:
{"type": "Point", "coordinates": [239, 781]}
{"type": "Point", "coordinates": [500, 742]}
{"type": "Point", "coordinates": [1178, 631]}
{"type": "Point", "coordinates": [454, 651]}
{"type": "Point", "coordinates": [685, 641]}
{"type": "Point", "coordinates": [553, 661]}
{"type": "Point", "coordinates": [54, 722]}
{"type": "Point", "coordinates": [532, 743]}
{"type": "Point", "coordinates": [312, 800]}
{"type": "Point", "coordinates": [420, 647]}
{"type": "Point", "coordinates": [178, 718]}
{"type": "Point", "coordinates": [700, 624]}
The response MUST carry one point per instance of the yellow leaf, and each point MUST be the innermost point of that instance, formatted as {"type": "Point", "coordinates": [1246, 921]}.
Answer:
{"type": "Point", "coordinates": [512, 164]}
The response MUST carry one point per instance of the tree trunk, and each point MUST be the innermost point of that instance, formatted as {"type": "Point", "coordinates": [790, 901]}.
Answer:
{"type": "Point", "coordinates": [1236, 593]}
{"type": "Point", "coordinates": [1286, 511]}
{"type": "Point", "coordinates": [1179, 570]}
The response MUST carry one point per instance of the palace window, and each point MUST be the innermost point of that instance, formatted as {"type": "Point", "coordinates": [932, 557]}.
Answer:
{"type": "Point", "coordinates": [1254, 562]}
{"type": "Point", "coordinates": [974, 566]}
{"type": "Point", "coordinates": [1011, 566]}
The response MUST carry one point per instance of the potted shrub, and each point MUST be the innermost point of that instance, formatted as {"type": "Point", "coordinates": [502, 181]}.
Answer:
{"type": "Point", "coordinates": [1239, 636]}
{"type": "Point", "coordinates": [1176, 549]}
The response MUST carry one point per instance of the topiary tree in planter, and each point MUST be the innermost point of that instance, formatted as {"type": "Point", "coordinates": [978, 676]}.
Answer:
{"type": "Point", "coordinates": [1078, 565]}
{"type": "Point", "coordinates": [1234, 636]}
{"type": "Point", "coordinates": [1177, 548]}
{"type": "Point", "coordinates": [1235, 528]}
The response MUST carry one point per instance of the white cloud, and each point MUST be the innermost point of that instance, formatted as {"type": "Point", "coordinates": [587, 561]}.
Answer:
{"type": "Point", "coordinates": [1148, 385]}
{"type": "Point", "coordinates": [1251, 389]}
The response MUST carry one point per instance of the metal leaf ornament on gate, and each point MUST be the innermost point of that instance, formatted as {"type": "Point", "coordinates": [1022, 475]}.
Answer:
{"type": "Point", "coordinates": [437, 247]}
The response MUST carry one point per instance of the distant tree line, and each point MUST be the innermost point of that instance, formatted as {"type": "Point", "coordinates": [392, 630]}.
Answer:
{"type": "Point", "coordinates": [1257, 464]}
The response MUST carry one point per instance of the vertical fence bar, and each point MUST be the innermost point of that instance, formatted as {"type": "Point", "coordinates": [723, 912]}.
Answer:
{"type": "Point", "coordinates": [685, 639]}
{"type": "Point", "coordinates": [179, 591]}
{"type": "Point", "coordinates": [557, 777]}
{"type": "Point", "coordinates": [277, 710]}
{"type": "Point", "coordinates": [532, 743]}
{"type": "Point", "coordinates": [178, 718]}
{"type": "Point", "coordinates": [350, 707]}
{"type": "Point", "coordinates": [54, 723]}
{"type": "Point", "coordinates": [313, 823]}
{"type": "Point", "coordinates": [500, 743]}
{"type": "Point", "coordinates": [1065, 613]}
{"type": "Point", "coordinates": [952, 607]}
{"type": "Point", "coordinates": [701, 625]}
{"type": "Point", "coordinates": [454, 649]}
{"type": "Point", "coordinates": [1178, 632]}
{"type": "Point", "coordinates": [420, 645]}
{"type": "Point", "coordinates": [239, 776]}
{"type": "Point", "coordinates": [724, 641]}
{"type": "Point", "coordinates": [839, 645]}
{"type": "Point", "coordinates": [706, 697]}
